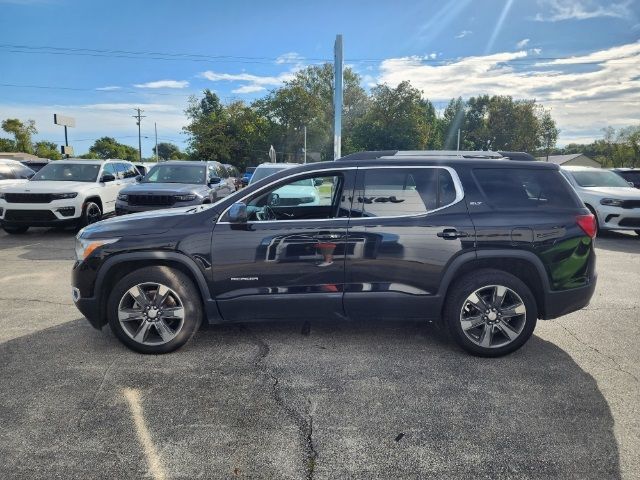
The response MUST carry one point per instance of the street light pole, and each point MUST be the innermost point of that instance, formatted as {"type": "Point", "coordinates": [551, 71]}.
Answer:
{"type": "Point", "coordinates": [155, 126]}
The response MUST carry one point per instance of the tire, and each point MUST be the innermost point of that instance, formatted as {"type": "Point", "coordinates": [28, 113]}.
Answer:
{"type": "Point", "coordinates": [15, 230]}
{"type": "Point", "coordinates": [505, 334]}
{"type": "Point", "coordinates": [143, 331]}
{"type": "Point", "coordinates": [91, 213]}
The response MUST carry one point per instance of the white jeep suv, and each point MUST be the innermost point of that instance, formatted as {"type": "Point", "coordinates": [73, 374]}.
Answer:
{"type": "Point", "coordinates": [65, 192]}
{"type": "Point", "coordinates": [614, 202]}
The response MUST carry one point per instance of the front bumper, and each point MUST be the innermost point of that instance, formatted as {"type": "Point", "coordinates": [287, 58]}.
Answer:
{"type": "Point", "coordinates": [55, 213]}
{"type": "Point", "coordinates": [618, 218]}
{"type": "Point", "coordinates": [559, 303]}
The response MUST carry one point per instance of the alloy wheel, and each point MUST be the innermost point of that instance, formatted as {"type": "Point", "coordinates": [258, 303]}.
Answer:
{"type": "Point", "coordinates": [151, 313]}
{"type": "Point", "coordinates": [493, 316]}
{"type": "Point", "coordinates": [93, 213]}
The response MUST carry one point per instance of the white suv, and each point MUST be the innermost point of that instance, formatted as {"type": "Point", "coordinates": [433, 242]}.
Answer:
{"type": "Point", "coordinates": [65, 192]}
{"type": "Point", "coordinates": [614, 202]}
{"type": "Point", "coordinates": [12, 172]}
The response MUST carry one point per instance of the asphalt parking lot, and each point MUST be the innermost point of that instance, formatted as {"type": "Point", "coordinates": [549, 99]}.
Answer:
{"type": "Point", "coordinates": [337, 400]}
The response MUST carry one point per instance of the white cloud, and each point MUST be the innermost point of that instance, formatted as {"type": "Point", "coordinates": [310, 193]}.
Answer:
{"type": "Point", "coordinates": [558, 10]}
{"type": "Point", "coordinates": [290, 57]}
{"type": "Point", "coordinates": [163, 84]}
{"type": "Point", "coordinates": [582, 100]}
{"type": "Point", "coordinates": [464, 33]}
{"type": "Point", "coordinates": [253, 83]}
{"type": "Point", "coordinates": [432, 55]}
{"type": "Point", "coordinates": [108, 88]}
{"type": "Point", "coordinates": [523, 43]}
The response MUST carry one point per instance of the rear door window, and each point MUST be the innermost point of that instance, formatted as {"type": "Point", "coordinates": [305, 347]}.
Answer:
{"type": "Point", "coordinates": [394, 192]}
{"type": "Point", "coordinates": [508, 188]}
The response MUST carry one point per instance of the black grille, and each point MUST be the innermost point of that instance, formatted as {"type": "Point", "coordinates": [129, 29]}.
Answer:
{"type": "Point", "coordinates": [27, 197]}
{"type": "Point", "coordinates": [165, 200]}
{"type": "Point", "coordinates": [630, 222]}
{"type": "Point", "coordinates": [631, 204]}
{"type": "Point", "coordinates": [23, 215]}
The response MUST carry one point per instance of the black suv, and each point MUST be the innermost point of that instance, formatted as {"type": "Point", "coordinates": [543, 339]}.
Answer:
{"type": "Point", "coordinates": [486, 246]}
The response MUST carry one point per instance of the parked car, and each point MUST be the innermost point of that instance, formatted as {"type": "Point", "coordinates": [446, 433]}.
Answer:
{"type": "Point", "coordinates": [175, 184]}
{"type": "Point", "coordinates": [631, 175]}
{"type": "Point", "coordinates": [234, 175]}
{"type": "Point", "coordinates": [485, 246]}
{"type": "Point", "coordinates": [615, 203]}
{"type": "Point", "coordinates": [65, 192]}
{"type": "Point", "coordinates": [144, 167]}
{"type": "Point", "coordinates": [266, 169]}
{"type": "Point", "coordinates": [35, 165]}
{"type": "Point", "coordinates": [246, 176]}
{"type": "Point", "coordinates": [12, 173]}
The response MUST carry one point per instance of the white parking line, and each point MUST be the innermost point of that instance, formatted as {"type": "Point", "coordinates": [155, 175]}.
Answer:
{"type": "Point", "coordinates": [153, 459]}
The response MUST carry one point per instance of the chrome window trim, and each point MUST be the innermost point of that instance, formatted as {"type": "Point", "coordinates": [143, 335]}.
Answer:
{"type": "Point", "coordinates": [454, 175]}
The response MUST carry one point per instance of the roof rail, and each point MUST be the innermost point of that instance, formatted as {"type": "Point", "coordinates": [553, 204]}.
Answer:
{"type": "Point", "coordinates": [523, 156]}
{"type": "Point", "coordinates": [421, 153]}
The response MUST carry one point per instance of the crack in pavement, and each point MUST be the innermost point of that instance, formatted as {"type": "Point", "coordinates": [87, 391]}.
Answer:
{"type": "Point", "coordinates": [95, 393]}
{"type": "Point", "coordinates": [612, 359]}
{"type": "Point", "coordinates": [305, 426]}
{"type": "Point", "coordinates": [36, 300]}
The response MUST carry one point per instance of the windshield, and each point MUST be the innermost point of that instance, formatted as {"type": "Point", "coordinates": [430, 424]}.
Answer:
{"type": "Point", "coordinates": [598, 179]}
{"type": "Point", "coordinates": [67, 172]}
{"type": "Point", "coordinates": [264, 172]}
{"type": "Point", "coordinates": [176, 174]}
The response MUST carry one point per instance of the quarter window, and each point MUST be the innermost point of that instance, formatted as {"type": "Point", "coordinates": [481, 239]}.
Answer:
{"type": "Point", "coordinates": [390, 192]}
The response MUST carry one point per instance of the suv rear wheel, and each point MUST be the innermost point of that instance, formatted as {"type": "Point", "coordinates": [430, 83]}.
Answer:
{"type": "Point", "coordinates": [490, 313]}
{"type": "Point", "coordinates": [154, 310]}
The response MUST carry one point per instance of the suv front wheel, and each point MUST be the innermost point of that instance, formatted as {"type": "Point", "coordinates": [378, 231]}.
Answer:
{"type": "Point", "coordinates": [490, 313]}
{"type": "Point", "coordinates": [154, 310]}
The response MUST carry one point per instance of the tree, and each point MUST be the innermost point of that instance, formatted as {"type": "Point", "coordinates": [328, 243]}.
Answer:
{"type": "Point", "coordinates": [108, 147]}
{"type": "Point", "coordinates": [207, 129]}
{"type": "Point", "coordinates": [396, 118]}
{"type": "Point", "coordinates": [168, 151]}
{"type": "Point", "coordinates": [44, 149]}
{"type": "Point", "coordinates": [21, 132]}
{"type": "Point", "coordinates": [548, 131]}
{"type": "Point", "coordinates": [7, 145]}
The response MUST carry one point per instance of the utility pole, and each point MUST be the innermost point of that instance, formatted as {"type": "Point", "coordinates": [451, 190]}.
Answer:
{"type": "Point", "coordinates": [155, 127]}
{"type": "Point", "coordinates": [305, 144]}
{"type": "Point", "coordinates": [458, 139]}
{"type": "Point", "coordinates": [139, 118]}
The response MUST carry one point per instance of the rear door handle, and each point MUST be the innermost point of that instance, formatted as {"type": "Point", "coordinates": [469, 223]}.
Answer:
{"type": "Point", "coordinates": [452, 234]}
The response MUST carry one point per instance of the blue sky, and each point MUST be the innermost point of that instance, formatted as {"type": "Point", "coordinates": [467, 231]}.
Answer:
{"type": "Point", "coordinates": [581, 58]}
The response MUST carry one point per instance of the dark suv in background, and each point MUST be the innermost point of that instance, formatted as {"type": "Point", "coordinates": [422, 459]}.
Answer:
{"type": "Point", "coordinates": [176, 184]}
{"type": "Point", "coordinates": [483, 244]}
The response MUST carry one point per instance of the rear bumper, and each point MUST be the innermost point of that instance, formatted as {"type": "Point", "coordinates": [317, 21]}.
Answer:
{"type": "Point", "coordinates": [557, 304]}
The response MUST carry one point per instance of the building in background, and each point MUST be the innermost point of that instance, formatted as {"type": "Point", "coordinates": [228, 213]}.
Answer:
{"type": "Point", "coordinates": [574, 160]}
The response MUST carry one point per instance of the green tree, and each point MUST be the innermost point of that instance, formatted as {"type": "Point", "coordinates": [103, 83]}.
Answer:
{"type": "Point", "coordinates": [548, 131]}
{"type": "Point", "coordinates": [168, 151]}
{"type": "Point", "coordinates": [7, 145]}
{"type": "Point", "coordinates": [22, 133]}
{"type": "Point", "coordinates": [207, 128]}
{"type": "Point", "coordinates": [108, 147]}
{"type": "Point", "coordinates": [44, 149]}
{"type": "Point", "coordinates": [396, 118]}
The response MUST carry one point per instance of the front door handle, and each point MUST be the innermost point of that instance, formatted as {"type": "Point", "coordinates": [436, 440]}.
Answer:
{"type": "Point", "coordinates": [452, 234]}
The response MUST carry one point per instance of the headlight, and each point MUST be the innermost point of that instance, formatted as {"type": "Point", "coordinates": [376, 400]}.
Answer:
{"type": "Point", "coordinates": [185, 198]}
{"type": "Point", "coordinates": [123, 196]}
{"type": "Point", "coordinates": [85, 246]}
{"type": "Point", "coordinates": [611, 202]}
{"type": "Point", "coordinates": [62, 196]}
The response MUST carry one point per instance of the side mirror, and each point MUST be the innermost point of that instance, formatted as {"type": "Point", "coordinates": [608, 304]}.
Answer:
{"type": "Point", "coordinates": [214, 180]}
{"type": "Point", "coordinates": [107, 177]}
{"type": "Point", "coordinates": [632, 184]}
{"type": "Point", "coordinates": [138, 178]}
{"type": "Point", "coordinates": [317, 182]}
{"type": "Point", "coordinates": [238, 213]}
{"type": "Point", "coordinates": [30, 176]}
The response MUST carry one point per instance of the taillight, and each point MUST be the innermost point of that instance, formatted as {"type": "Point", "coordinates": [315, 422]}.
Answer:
{"type": "Point", "coordinates": [588, 224]}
